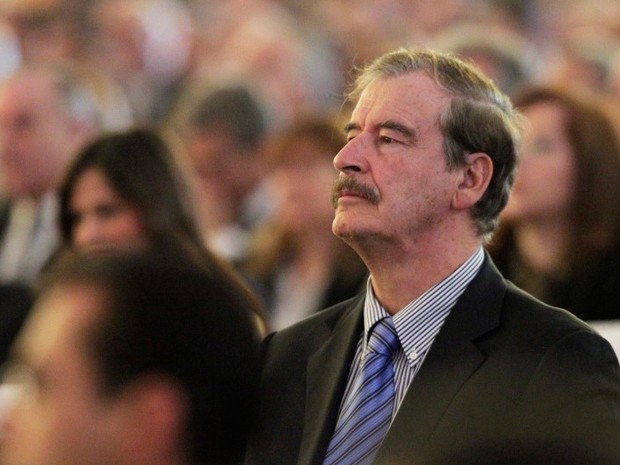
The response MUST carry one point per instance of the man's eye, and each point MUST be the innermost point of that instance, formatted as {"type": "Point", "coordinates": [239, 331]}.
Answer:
{"type": "Point", "coordinates": [386, 140]}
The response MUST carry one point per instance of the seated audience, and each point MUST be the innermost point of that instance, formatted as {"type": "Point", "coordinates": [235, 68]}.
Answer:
{"type": "Point", "coordinates": [138, 359]}
{"type": "Point", "coordinates": [559, 236]}
{"type": "Point", "coordinates": [122, 191]}
{"type": "Point", "coordinates": [225, 129]}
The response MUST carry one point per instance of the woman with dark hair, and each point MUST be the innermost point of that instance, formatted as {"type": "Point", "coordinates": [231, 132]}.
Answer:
{"type": "Point", "coordinates": [125, 191]}
{"type": "Point", "coordinates": [559, 236]}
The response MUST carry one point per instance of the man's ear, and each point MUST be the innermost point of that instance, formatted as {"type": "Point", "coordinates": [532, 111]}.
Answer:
{"type": "Point", "coordinates": [152, 421]}
{"type": "Point", "coordinates": [475, 178]}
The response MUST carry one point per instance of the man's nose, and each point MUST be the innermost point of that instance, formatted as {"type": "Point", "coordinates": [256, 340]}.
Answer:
{"type": "Point", "coordinates": [352, 158]}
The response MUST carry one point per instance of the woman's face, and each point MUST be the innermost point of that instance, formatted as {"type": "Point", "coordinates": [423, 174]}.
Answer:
{"type": "Point", "coordinates": [102, 220]}
{"type": "Point", "coordinates": [303, 183]}
{"type": "Point", "coordinates": [545, 181]}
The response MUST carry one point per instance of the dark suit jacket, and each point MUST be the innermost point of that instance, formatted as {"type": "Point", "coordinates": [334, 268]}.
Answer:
{"type": "Point", "coordinates": [15, 304]}
{"type": "Point", "coordinates": [505, 373]}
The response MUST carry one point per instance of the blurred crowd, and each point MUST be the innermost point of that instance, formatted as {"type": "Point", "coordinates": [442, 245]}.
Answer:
{"type": "Point", "coordinates": [247, 94]}
{"type": "Point", "coordinates": [204, 132]}
{"type": "Point", "coordinates": [297, 54]}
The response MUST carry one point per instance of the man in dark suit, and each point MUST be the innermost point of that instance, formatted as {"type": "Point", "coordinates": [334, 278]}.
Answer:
{"type": "Point", "coordinates": [480, 367]}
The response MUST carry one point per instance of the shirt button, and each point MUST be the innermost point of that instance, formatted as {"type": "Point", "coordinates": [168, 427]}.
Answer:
{"type": "Point", "coordinates": [413, 356]}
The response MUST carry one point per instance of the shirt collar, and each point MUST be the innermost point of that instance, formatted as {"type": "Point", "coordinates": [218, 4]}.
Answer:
{"type": "Point", "coordinates": [420, 320]}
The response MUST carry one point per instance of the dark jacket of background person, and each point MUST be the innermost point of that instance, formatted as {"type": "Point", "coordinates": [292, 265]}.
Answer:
{"type": "Point", "coordinates": [592, 294]}
{"type": "Point", "coordinates": [15, 302]}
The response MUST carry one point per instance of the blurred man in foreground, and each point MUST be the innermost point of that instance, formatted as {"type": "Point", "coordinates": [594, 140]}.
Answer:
{"type": "Point", "coordinates": [132, 360]}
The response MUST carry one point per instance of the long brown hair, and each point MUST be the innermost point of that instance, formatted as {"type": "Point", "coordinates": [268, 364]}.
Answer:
{"type": "Point", "coordinates": [594, 213]}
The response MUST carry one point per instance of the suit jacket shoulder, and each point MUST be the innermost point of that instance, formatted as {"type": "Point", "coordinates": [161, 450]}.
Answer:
{"type": "Point", "coordinates": [508, 373]}
{"type": "Point", "coordinates": [304, 376]}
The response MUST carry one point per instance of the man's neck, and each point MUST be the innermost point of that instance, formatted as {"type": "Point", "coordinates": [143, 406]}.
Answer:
{"type": "Point", "coordinates": [400, 275]}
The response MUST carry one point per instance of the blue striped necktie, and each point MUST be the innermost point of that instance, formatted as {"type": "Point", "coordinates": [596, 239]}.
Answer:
{"type": "Point", "coordinates": [367, 412]}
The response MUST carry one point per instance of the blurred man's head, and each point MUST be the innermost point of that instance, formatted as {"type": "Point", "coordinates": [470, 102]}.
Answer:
{"type": "Point", "coordinates": [133, 360]}
{"type": "Point", "coordinates": [45, 116]}
{"type": "Point", "coordinates": [43, 28]}
{"type": "Point", "coordinates": [226, 133]}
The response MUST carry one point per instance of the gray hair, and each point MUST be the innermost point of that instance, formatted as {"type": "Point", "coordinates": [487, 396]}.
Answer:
{"type": "Point", "coordinates": [479, 118]}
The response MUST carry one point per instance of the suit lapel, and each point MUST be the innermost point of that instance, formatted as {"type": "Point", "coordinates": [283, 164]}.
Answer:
{"type": "Point", "coordinates": [328, 369]}
{"type": "Point", "coordinates": [452, 359]}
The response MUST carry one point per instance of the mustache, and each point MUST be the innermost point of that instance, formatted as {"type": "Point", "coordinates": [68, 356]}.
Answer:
{"type": "Point", "coordinates": [349, 184]}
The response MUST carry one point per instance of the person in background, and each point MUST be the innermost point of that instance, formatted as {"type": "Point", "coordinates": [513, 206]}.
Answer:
{"type": "Point", "coordinates": [559, 236]}
{"type": "Point", "coordinates": [124, 190]}
{"type": "Point", "coordinates": [127, 191]}
{"type": "Point", "coordinates": [145, 47]}
{"type": "Point", "coordinates": [441, 354]}
{"type": "Point", "coordinates": [500, 52]}
{"type": "Point", "coordinates": [226, 131]}
{"type": "Point", "coordinates": [301, 266]}
{"type": "Point", "coordinates": [47, 114]}
{"type": "Point", "coordinates": [133, 359]}
{"type": "Point", "coordinates": [42, 28]}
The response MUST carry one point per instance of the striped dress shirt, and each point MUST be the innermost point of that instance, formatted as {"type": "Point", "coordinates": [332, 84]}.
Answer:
{"type": "Point", "coordinates": [417, 324]}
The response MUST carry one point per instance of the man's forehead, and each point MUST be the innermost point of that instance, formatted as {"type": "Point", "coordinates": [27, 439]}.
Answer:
{"type": "Point", "coordinates": [410, 98]}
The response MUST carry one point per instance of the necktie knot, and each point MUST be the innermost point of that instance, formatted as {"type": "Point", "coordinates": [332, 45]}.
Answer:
{"type": "Point", "coordinates": [383, 338]}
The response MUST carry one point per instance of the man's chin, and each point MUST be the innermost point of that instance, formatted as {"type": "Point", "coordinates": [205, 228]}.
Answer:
{"type": "Point", "coordinates": [346, 230]}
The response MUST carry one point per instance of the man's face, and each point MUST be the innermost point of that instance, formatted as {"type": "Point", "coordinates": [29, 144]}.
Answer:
{"type": "Point", "coordinates": [225, 169]}
{"type": "Point", "coordinates": [60, 417]}
{"type": "Point", "coordinates": [34, 135]}
{"type": "Point", "coordinates": [395, 153]}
